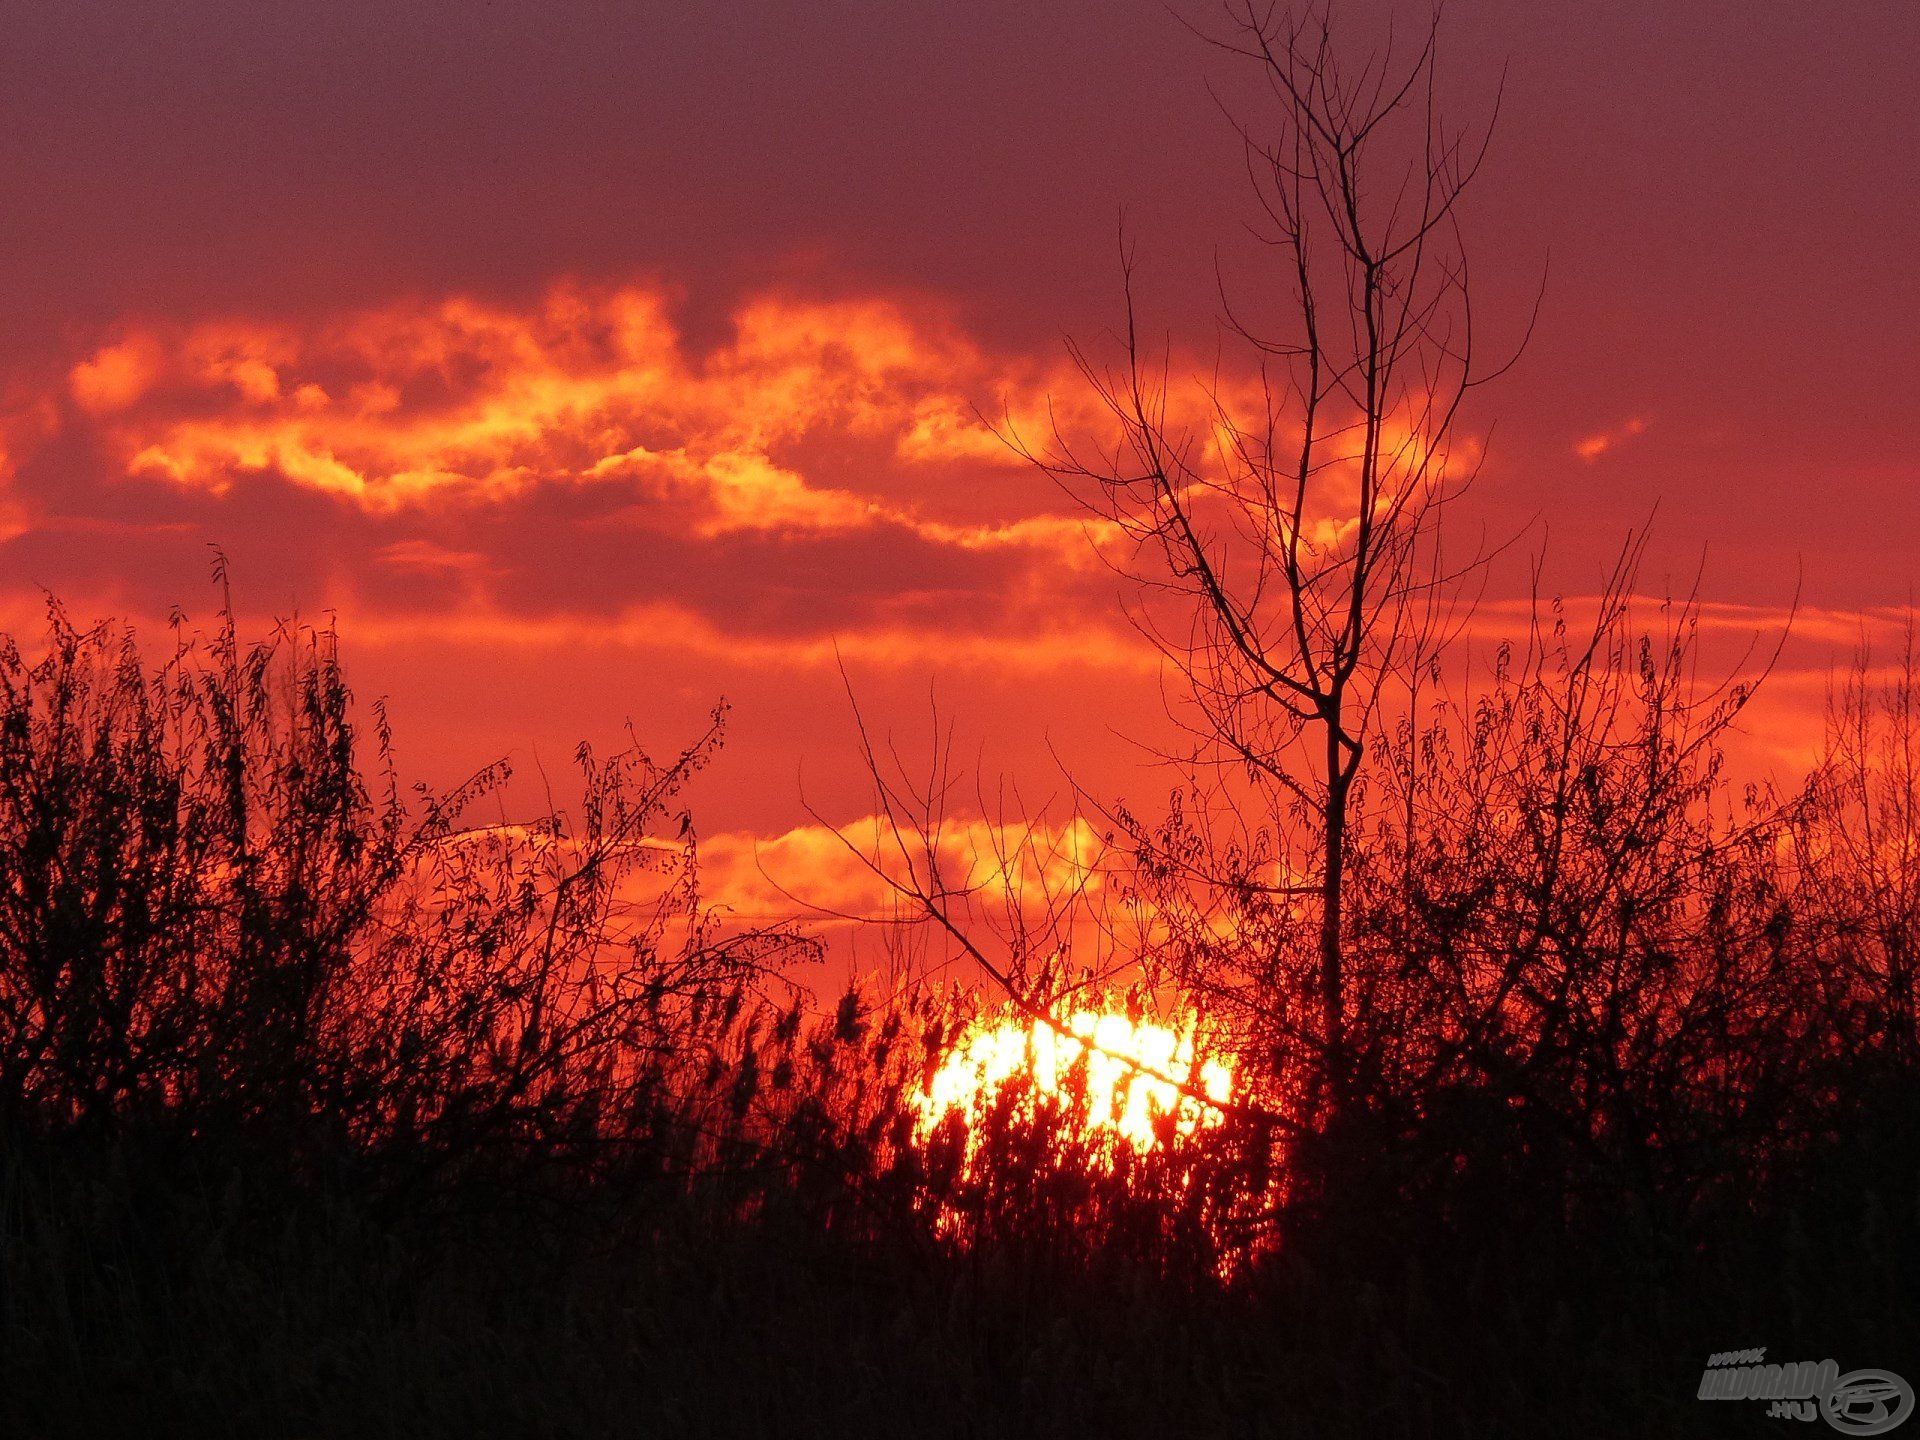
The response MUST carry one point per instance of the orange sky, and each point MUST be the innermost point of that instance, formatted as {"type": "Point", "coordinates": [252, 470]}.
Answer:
{"type": "Point", "coordinates": [591, 364]}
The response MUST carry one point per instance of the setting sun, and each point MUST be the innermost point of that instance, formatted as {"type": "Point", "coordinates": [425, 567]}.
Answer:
{"type": "Point", "coordinates": [1119, 1077]}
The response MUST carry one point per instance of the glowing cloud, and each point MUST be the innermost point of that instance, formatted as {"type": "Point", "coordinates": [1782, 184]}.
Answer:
{"type": "Point", "coordinates": [840, 871]}
{"type": "Point", "coordinates": [1594, 446]}
{"type": "Point", "coordinates": [476, 401]}
{"type": "Point", "coordinates": [116, 375]}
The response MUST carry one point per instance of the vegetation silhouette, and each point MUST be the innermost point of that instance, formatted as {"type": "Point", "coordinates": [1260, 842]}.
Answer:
{"type": "Point", "coordinates": [325, 1112]}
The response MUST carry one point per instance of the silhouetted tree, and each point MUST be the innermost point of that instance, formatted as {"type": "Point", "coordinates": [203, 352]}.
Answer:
{"type": "Point", "coordinates": [1290, 541]}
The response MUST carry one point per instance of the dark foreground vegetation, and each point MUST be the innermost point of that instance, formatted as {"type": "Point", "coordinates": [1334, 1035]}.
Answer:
{"type": "Point", "coordinates": [328, 1109]}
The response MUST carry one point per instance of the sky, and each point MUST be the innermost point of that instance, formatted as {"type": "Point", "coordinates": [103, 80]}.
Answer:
{"type": "Point", "coordinates": [590, 363]}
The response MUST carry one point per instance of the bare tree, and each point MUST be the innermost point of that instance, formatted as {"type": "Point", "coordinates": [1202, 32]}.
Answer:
{"type": "Point", "coordinates": [1287, 538]}
{"type": "Point", "coordinates": [1856, 842]}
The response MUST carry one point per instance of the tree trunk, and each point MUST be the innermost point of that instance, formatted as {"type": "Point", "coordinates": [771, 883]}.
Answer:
{"type": "Point", "coordinates": [1332, 890]}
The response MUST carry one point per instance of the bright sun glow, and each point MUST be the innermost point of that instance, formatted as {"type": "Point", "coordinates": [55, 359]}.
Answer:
{"type": "Point", "coordinates": [1137, 1075]}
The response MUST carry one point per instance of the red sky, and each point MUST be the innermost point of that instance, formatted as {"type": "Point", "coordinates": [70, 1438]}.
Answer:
{"type": "Point", "coordinates": [595, 361]}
